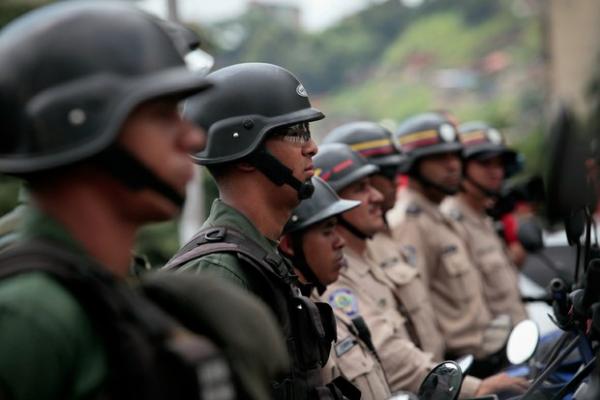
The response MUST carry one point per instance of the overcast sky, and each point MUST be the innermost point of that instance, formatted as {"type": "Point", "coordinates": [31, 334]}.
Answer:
{"type": "Point", "coordinates": [316, 14]}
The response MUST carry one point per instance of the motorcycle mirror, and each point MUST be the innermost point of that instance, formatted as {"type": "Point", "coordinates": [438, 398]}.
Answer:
{"type": "Point", "coordinates": [442, 383]}
{"type": "Point", "coordinates": [522, 342]}
{"type": "Point", "coordinates": [404, 396]}
{"type": "Point", "coordinates": [465, 363]}
{"type": "Point", "coordinates": [530, 235]}
{"type": "Point", "coordinates": [566, 175]}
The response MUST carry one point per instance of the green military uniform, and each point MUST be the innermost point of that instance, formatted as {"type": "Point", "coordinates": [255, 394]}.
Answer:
{"type": "Point", "coordinates": [227, 265]}
{"type": "Point", "coordinates": [44, 331]}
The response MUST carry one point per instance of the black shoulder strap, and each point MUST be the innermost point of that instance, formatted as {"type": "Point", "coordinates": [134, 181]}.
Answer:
{"type": "Point", "coordinates": [227, 240]}
{"type": "Point", "coordinates": [129, 327]}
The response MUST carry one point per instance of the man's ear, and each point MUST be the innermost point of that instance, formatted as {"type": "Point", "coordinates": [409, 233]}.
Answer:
{"type": "Point", "coordinates": [285, 245]}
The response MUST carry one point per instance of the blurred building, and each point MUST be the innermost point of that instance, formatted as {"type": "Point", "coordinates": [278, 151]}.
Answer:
{"type": "Point", "coordinates": [573, 48]}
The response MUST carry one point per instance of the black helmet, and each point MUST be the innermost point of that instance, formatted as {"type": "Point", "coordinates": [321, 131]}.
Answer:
{"type": "Point", "coordinates": [481, 141]}
{"type": "Point", "coordinates": [71, 73]}
{"type": "Point", "coordinates": [251, 100]}
{"type": "Point", "coordinates": [324, 204]}
{"type": "Point", "coordinates": [424, 135]}
{"type": "Point", "coordinates": [339, 166]}
{"type": "Point", "coordinates": [369, 139]}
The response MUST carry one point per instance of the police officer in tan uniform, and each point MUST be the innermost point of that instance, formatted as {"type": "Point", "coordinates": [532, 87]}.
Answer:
{"type": "Point", "coordinates": [434, 167]}
{"type": "Point", "coordinates": [397, 263]}
{"type": "Point", "coordinates": [316, 250]}
{"type": "Point", "coordinates": [364, 290]}
{"type": "Point", "coordinates": [487, 161]}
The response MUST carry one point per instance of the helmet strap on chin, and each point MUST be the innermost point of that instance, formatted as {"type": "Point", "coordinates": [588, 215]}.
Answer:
{"type": "Point", "coordinates": [299, 261]}
{"type": "Point", "coordinates": [494, 194]}
{"type": "Point", "coordinates": [428, 183]}
{"type": "Point", "coordinates": [353, 229]}
{"type": "Point", "coordinates": [131, 172]}
{"type": "Point", "coordinates": [278, 173]}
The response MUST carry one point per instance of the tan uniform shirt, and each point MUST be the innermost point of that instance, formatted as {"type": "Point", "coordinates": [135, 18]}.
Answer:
{"type": "Point", "coordinates": [400, 268]}
{"type": "Point", "coordinates": [500, 276]}
{"type": "Point", "coordinates": [363, 290]}
{"type": "Point", "coordinates": [352, 359]}
{"type": "Point", "coordinates": [455, 286]}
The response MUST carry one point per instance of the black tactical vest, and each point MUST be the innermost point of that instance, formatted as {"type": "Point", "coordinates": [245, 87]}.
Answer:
{"type": "Point", "coordinates": [309, 327]}
{"type": "Point", "coordinates": [146, 360]}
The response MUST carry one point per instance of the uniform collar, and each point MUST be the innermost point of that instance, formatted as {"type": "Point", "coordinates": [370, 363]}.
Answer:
{"type": "Point", "coordinates": [412, 198]}
{"type": "Point", "coordinates": [469, 215]}
{"type": "Point", "coordinates": [357, 263]}
{"type": "Point", "coordinates": [39, 225]}
{"type": "Point", "coordinates": [222, 214]}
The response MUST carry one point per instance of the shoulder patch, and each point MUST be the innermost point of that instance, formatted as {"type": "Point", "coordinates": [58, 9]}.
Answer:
{"type": "Point", "coordinates": [455, 214]}
{"type": "Point", "coordinates": [449, 249]}
{"type": "Point", "coordinates": [410, 254]}
{"type": "Point", "coordinates": [413, 209]}
{"type": "Point", "coordinates": [344, 300]}
{"type": "Point", "coordinates": [344, 346]}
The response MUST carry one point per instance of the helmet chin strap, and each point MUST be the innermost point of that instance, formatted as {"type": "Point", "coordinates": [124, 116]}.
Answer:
{"type": "Point", "coordinates": [429, 183]}
{"type": "Point", "coordinates": [494, 194]}
{"type": "Point", "coordinates": [280, 174]}
{"type": "Point", "coordinates": [131, 172]}
{"type": "Point", "coordinates": [353, 229]}
{"type": "Point", "coordinates": [299, 261]}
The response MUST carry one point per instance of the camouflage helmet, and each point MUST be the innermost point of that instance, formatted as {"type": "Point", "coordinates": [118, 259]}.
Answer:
{"type": "Point", "coordinates": [370, 140]}
{"type": "Point", "coordinates": [339, 166]}
{"type": "Point", "coordinates": [71, 73]}
{"type": "Point", "coordinates": [424, 135]}
{"type": "Point", "coordinates": [324, 203]}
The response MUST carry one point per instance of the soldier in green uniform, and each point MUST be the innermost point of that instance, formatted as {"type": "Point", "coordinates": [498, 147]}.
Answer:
{"type": "Point", "coordinates": [10, 221]}
{"type": "Point", "coordinates": [89, 94]}
{"type": "Point", "coordinates": [259, 152]}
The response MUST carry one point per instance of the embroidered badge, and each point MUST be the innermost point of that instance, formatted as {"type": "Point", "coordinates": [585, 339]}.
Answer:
{"type": "Point", "coordinates": [410, 254]}
{"type": "Point", "coordinates": [301, 91]}
{"type": "Point", "coordinates": [344, 299]}
{"type": "Point", "coordinates": [344, 346]}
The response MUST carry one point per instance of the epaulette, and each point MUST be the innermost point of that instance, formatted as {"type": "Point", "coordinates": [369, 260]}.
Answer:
{"type": "Point", "coordinates": [413, 209]}
{"type": "Point", "coordinates": [455, 215]}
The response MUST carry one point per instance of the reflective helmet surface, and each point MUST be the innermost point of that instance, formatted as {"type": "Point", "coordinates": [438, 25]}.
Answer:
{"type": "Point", "coordinates": [339, 166]}
{"type": "Point", "coordinates": [424, 135]}
{"type": "Point", "coordinates": [370, 140]}
{"type": "Point", "coordinates": [324, 204]}
{"type": "Point", "coordinates": [249, 101]}
{"type": "Point", "coordinates": [480, 140]}
{"type": "Point", "coordinates": [71, 73]}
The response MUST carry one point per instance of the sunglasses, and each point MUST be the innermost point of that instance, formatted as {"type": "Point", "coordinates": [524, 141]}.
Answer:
{"type": "Point", "coordinates": [296, 134]}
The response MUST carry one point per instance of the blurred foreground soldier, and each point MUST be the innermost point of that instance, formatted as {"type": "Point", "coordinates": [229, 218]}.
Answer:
{"type": "Point", "coordinates": [486, 161]}
{"type": "Point", "coordinates": [260, 153]}
{"type": "Point", "coordinates": [89, 95]}
{"type": "Point", "coordinates": [363, 293]}
{"type": "Point", "coordinates": [9, 222]}
{"type": "Point", "coordinates": [397, 263]}
{"type": "Point", "coordinates": [316, 250]}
